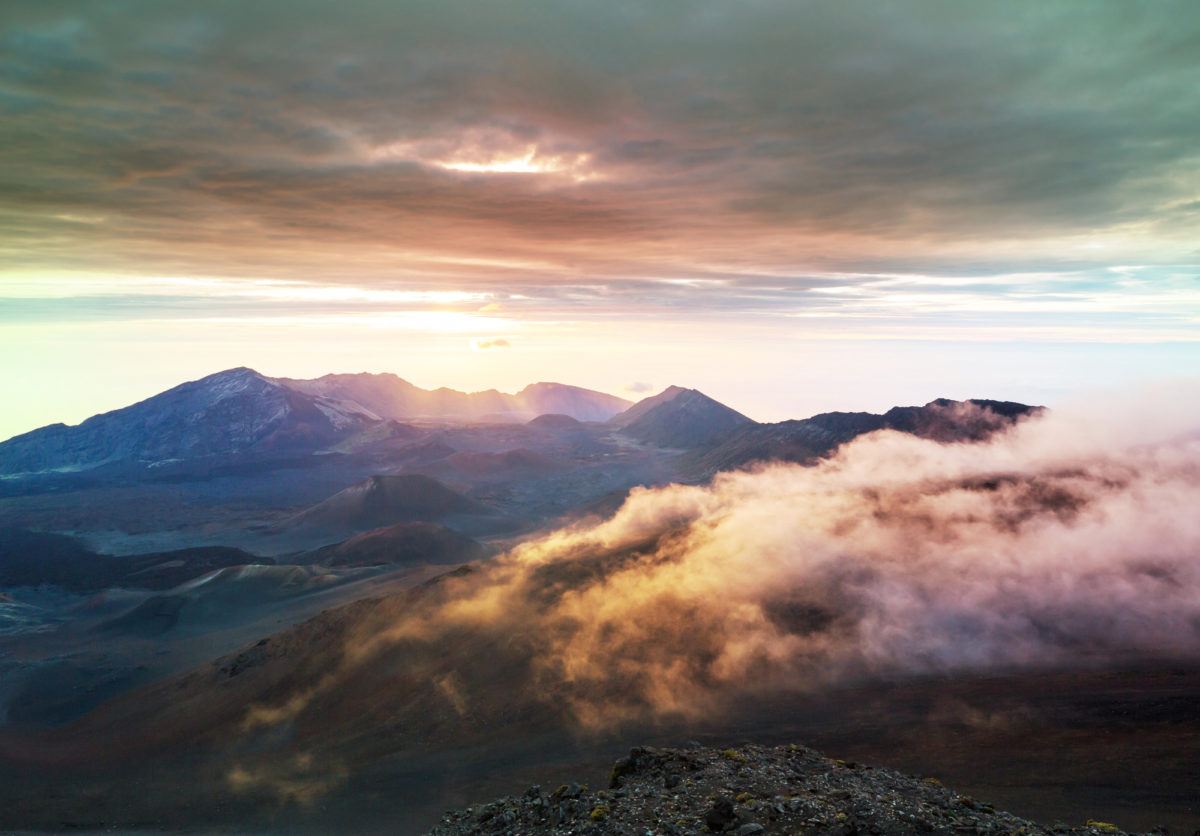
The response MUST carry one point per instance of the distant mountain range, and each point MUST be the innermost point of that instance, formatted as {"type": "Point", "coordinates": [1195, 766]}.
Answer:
{"type": "Point", "coordinates": [389, 396]}
{"type": "Point", "coordinates": [240, 419]}
{"type": "Point", "coordinates": [241, 412]}
{"type": "Point", "coordinates": [254, 533]}
{"type": "Point", "coordinates": [719, 438]}
{"type": "Point", "coordinates": [807, 440]}
{"type": "Point", "coordinates": [236, 411]}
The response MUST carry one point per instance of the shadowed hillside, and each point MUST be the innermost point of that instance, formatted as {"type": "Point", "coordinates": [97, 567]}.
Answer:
{"type": "Point", "coordinates": [411, 543]}
{"type": "Point", "coordinates": [29, 558]}
{"type": "Point", "coordinates": [382, 501]}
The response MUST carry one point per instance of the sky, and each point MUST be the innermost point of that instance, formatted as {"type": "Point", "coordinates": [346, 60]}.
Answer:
{"type": "Point", "coordinates": [792, 206]}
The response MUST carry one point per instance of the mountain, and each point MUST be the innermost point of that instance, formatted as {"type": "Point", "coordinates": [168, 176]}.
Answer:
{"type": "Point", "coordinates": [384, 435]}
{"type": "Point", "coordinates": [404, 544]}
{"type": "Point", "coordinates": [232, 412]}
{"type": "Point", "coordinates": [793, 441]}
{"type": "Point", "coordinates": [386, 395]}
{"type": "Point", "coordinates": [948, 420]}
{"type": "Point", "coordinates": [392, 397]}
{"type": "Point", "coordinates": [382, 501]}
{"type": "Point", "coordinates": [556, 422]}
{"type": "Point", "coordinates": [679, 418]}
{"type": "Point", "coordinates": [643, 406]}
{"type": "Point", "coordinates": [811, 438]}
{"type": "Point", "coordinates": [580, 404]}
{"type": "Point", "coordinates": [241, 413]}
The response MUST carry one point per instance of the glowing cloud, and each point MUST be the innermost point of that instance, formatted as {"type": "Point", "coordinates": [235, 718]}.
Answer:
{"type": "Point", "coordinates": [531, 162]}
{"type": "Point", "coordinates": [1069, 540]}
{"type": "Point", "coordinates": [488, 153]}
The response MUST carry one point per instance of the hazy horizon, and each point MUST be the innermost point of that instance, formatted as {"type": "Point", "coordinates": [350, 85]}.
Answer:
{"type": "Point", "coordinates": [753, 398]}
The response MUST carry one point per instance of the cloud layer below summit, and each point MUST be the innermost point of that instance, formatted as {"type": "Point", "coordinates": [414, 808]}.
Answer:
{"type": "Point", "coordinates": [1068, 541]}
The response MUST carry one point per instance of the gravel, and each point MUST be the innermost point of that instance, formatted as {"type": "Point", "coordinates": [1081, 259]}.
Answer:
{"type": "Point", "coordinates": [745, 791]}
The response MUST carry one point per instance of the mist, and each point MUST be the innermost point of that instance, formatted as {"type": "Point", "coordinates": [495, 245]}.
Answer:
{"type": "Point", "coordinates": [1067, 541]}
{"type": "Point", "coordinates": [1072, 539]}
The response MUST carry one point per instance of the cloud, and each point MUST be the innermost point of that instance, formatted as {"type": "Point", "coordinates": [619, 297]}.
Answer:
{"type": "Point", "coordinates": [1069, 541]}
{"type": "Point", "coordinates": [786, 136]}
{"type": "Point", "coordinates": [300, 779]}
{"type": "Point", "coordinates": [1066, 542]}
{"type": "Point", "coordinates": [490, 345]}
{"type": "Point", "coordinates": [639, 387]}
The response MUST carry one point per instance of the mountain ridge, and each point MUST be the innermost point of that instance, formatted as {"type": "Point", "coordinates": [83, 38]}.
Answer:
{"type": "Point", "coordinates": [806, 439]}
{"type": "Point", "coordinates": [235, 411]}
{"type": "Point", "coordinates": [394, 397]}
{"type": "Point", "coordinates": [241, 411]}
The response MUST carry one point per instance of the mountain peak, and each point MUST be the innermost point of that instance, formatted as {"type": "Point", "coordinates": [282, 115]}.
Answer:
{"type": "Point", "coordinates": [582, 404]}
{"type": "Point", "coordinates": [234, 411]}
{"type": "Point", "coordinates": [679, 417]}
{"type": "Point", "coordinates": [384, 500]}
{"type": "Point", "coordinates": [222, 383]}
{"type": "Point", "coordinates": [944, 419]}
{"type": "Point", "coordinates": [645, 405]}
{"type": "Point", "coordinates": [236, 373]}
{"type": "Point", "coordinates": [550, 386]}
{"type": "Point", "coordinates": [543, 384]}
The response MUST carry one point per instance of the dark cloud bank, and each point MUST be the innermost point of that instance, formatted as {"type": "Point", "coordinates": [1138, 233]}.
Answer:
{"type": "Point", "coordinates": [278, 138]}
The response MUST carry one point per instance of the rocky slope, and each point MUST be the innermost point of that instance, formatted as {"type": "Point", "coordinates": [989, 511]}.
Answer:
{"type": "Point", "coordinates": [745, 791]}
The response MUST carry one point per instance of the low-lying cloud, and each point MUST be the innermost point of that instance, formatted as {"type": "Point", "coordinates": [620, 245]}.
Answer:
{"type": "Point", "coordinates": [1070, 540]}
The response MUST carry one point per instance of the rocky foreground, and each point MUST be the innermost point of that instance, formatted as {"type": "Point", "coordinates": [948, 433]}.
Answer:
{"type": "Point", "coordinates": [745, 791]}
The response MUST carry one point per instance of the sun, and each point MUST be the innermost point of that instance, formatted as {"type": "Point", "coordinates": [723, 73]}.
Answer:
{"type": "Point", "coordinates": [530, 160]}
{"type": "Point", "coordinates": [487, 156]}
{"type": "Point", "coordinates": [528, 163]}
